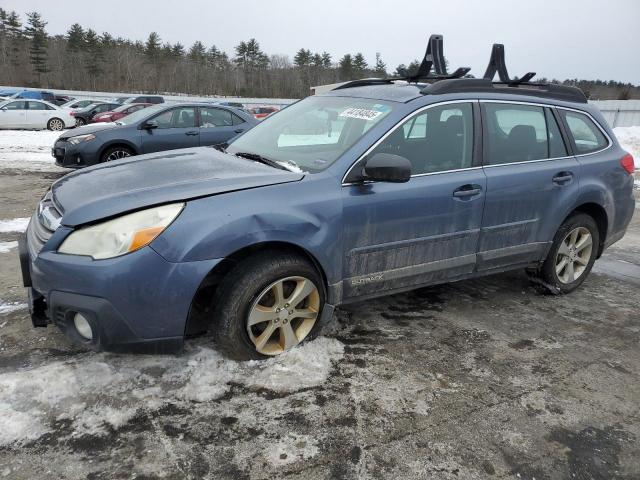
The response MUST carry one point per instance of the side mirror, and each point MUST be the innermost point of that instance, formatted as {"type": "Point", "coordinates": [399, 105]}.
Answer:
{"type": "Point", "coordinates": [149, 125]}
{"type": "Point", "coordinates": [386, 167]}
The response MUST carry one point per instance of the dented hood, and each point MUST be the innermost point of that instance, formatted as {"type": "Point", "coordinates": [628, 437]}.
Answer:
{"type": "Point", "coordinates": [114, 188]}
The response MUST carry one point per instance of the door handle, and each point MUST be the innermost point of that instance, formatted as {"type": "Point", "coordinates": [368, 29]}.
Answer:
{"type": "Point", "coordinates": [239, 130]}
{"type": "Point", "coordinates": [467, 191]}
{"type": "Point", "coordinates": [191, 133]}
{"type": "Point", "coordinates": [562, 177]}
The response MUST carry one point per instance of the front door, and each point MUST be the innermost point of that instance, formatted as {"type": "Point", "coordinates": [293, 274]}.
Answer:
{"type": "Point", "coordinates": [218, 125]}
{"type": "Point", "coordinates": [531, 182]}
{"type": "Point", "coordinates": [176, 128]}
{"type": "Point", "coordinates": [14, 115]}
{"type": "Point", "coordinates": [400, 235]}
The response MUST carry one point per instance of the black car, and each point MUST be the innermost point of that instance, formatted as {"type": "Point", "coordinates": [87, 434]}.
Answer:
{"type": "Point", "coordinates": [61, 99]}
{"type": "Point", "coordinates": [153, 129]}
{"type": "Point", "coordinates": [85, 115]}
{"type": "Point", "coordinates": [155, 99]}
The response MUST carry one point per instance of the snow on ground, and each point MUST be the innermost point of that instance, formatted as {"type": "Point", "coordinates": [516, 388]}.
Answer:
{"type": "Point", "coordinates": [32, 400]}
{"type": "Point", "coordinates": [8, 307]}
{"type": "Point", "coordinates": [629, 138]}
{"type": "Point", "coordinates": [27, 149]}
{"type": "Point", "coordinates": [13, 225]}
{"type": "Point", "coordinates": [7, 246]}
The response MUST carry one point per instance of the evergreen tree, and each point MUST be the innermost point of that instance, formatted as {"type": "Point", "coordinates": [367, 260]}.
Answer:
{"type": "Point", "coordinates": [75, 38]}
{"type": "Point", "coordinates": [94, 56]}
{"type": "Point", "coordinates": [152, 48]}
{"type": "Point", "coordinates": [380, 67]}
{"type": "Point", "coordinates": [359, 64]}
{"type": "Point", "coordinates": [37, 36]}
{"type": "Point", "coordinates": [326, 60]}
{"type": "Point", "coordinates": [177, 50]}
{"type": "Point", "coordinates": [198, 53]}
{"type": "Point", "coordinates": [15, 37]}
{"type": "Point", "coordinates": [302, 58]}
{"type": "Point", "coordinates": [346, 67]}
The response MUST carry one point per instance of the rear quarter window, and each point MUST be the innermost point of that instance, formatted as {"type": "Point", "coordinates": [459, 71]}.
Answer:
{"type": "Point", "coordinates": [585, 134]}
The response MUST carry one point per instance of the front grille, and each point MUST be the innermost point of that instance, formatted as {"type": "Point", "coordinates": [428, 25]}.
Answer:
{"type": "Point", "coordinates": [43, 223]}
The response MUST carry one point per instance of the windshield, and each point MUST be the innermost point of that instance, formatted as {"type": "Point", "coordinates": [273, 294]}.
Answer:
{"type": "Point", "coordinates": [135, 117]}
{"type": "Point", "coordinates": [312, 133]}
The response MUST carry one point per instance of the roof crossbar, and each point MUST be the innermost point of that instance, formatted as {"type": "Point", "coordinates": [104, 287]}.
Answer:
{"type": "Point", "coordinates": [497, 64]}
{"type": "Point", "coordinates": [434, 58]}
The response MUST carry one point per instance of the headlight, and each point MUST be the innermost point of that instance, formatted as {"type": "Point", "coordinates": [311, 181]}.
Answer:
{"type": "Point", "coordinates": [121, 235]}
{"type": "Point", "coordinates": [81, 138]}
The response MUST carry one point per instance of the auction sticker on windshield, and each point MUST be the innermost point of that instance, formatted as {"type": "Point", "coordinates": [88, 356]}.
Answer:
{"type": "Point", "coordinates": [361, 113]}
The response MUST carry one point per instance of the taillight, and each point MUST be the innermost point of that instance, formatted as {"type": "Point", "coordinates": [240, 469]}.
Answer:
{"type": "Point", "coordinates": [73, 114]}
{"type": "Point", "coordinates": [627, 163]}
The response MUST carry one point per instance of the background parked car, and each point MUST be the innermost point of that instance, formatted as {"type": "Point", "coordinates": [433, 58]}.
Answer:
{"type": "Point", "coordinates": [34, 114]}
{"type": "Point", "coordinates": [122, 99]}
{"type": "Point", "coordinates": [153, 129]}
{"type": "Point", "coordinates": [262, 112]}
{"type": "Point", "coordinates": [35, 95]}
{"type": "Point", "coordinates": [61, 99]}
{"type": "Point", "coordinates": [155, 99]}
{"type": "Point", "coordinates": [120, 112]}
{"type": "Point", "coordinates": [85, 115]}
{"type": "Point", "coordinates": [75, 104]}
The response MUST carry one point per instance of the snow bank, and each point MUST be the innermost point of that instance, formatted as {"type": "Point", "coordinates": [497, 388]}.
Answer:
{"type": "Point", "coordinates": [7, 246]}
{"type": "Point", "coordinates": [98, 391]}
{"type": "Point", "coordinates": [629, 138]}
{"type": "Point", "coordinates": [27, 149]}
{"type": "Point", "coordinates": [13, 225]}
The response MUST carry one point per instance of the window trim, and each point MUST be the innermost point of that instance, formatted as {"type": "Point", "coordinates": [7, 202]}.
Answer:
{"type": "Point", "coordinates": [398, 124]}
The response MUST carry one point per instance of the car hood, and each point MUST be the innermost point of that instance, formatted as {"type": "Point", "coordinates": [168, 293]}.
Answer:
{"type": "Point", "coordinates": [114, 188]}
{"type": "Point", "coordinates": [91, 128]}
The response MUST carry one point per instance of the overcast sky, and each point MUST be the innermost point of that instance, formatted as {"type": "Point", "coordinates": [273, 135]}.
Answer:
{"type": "Point", "coordinates": [558, 38]}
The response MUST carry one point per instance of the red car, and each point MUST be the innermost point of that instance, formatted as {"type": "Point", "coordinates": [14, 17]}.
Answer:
{"type": "Point", "coordinates": [117, 113]}
{"type": "Point", "coordinates": [262, 112]}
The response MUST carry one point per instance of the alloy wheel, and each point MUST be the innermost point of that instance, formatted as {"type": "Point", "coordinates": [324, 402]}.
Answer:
{"type": "Point", "coordinates": [117, 155]}
{"type": "Point", "coordinates": [56, 125]}
{"type": "Point", "coordinates": [573, 255]}
{"type": "Point", "coordinates": [283, 315]}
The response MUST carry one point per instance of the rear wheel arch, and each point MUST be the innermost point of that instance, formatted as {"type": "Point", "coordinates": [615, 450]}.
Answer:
{"type": "Point", "coordinates": [599, 215]}
{"type": "Point", "coordinates": [198, 318]}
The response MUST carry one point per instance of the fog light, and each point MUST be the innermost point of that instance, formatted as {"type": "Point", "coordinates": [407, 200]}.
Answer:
{"type": "Point", "coordinates": [82, 326]}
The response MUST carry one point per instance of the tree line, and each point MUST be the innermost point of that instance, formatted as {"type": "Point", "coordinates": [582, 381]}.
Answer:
{"type": "Point", "coordinates": [83, 59]}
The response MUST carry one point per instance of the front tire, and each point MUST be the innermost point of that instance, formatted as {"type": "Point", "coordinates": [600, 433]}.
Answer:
{"type": "Point", "coordinates": [571, 256]}
{"type": "Point", "coordinates": [80, 122]}
{"type": "Point", "coordinates": [268, 304]}
{"type": "Point", "coordinates": [115, 153]}
{"type": "Point", "coordinates": [55, 125]}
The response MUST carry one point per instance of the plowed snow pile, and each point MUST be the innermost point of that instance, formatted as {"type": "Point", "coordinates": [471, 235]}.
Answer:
{"type": "Point", "coordinates": [27, 149]}
{"type": "Point", "coordinates": [629, 138]}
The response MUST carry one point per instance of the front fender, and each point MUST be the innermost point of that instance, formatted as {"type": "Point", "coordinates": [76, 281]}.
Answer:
{"type": "Point", "coordinates": [306, 214]}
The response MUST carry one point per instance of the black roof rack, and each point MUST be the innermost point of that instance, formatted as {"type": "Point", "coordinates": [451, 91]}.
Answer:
{"type": "Point", "coordinates": [483, 85]}
{"type": "Point", "coordinates": [441, 82]}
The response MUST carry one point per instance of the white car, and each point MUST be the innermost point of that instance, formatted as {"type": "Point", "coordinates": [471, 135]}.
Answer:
{"type": "Point", "coordinates": [34, 114]}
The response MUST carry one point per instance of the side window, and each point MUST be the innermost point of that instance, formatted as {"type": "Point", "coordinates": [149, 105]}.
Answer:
{"type": "Point", "coordinates": [515, 133]}
{"type": "Point", "coordinates": [16, 106]}
{"type": "Point", "coordinates": [436, 140]}
{"type": "Point", "coordinates": [585, 135]}
{"type": "Point", "coordinates": [37, 106]}
{"type": "Point", "coordinates": [215, 117]}
{"type": "Point", "coordinates": [177, 118]}
{"type": "Point", "coordinates": [236, 119]}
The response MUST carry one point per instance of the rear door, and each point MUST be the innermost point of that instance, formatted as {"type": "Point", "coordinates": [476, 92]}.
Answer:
{"type": "Point", "coordinates": [38, 114]}
{"type": "Point", "coordinates": [218, 125]}
{"type": "Point", "coordinates": [14, 115]}
{"type": "Point", "coordinates": [532, 181]}
{"type": "Point", "coordinates": [176, 129]}
{"type": "Point", "coordinates": [401, 235]}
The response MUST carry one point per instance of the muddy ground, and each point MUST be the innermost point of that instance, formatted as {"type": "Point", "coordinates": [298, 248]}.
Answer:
{"type": "Point", "coordinates": [478, 379]}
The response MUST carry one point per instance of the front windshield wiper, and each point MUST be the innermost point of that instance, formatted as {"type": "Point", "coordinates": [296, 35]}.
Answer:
{"type": "Point", "coordinates": [259, 158]}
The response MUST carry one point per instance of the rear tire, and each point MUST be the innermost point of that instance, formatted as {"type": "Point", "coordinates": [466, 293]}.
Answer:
{"type": "Point", "coordinates": [55, 124]}
{"type": "Point", "coordinates": [571, 256]}
{"type": "Point", "coordinates": [80, 122]}
{"type": "Point", "coordinates": [117, 152]}
{"type": "Point", "coordinates": [254, 318]}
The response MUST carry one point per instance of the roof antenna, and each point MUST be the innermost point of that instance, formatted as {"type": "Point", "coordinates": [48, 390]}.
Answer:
{"type": "Point", "coordinates": [434, 58]}
{"type": "Point", "coordinates": [497, 64]}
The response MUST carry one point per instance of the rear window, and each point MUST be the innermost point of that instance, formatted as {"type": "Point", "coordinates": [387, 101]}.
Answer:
{"type": "Point", "coordinates": [521, 133]}
{"type": "Point", "coordinates": [585, 135]}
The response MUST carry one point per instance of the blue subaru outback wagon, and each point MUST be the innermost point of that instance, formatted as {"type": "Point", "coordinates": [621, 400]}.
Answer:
{"type": "Point", "coordinates": [376, 187]}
